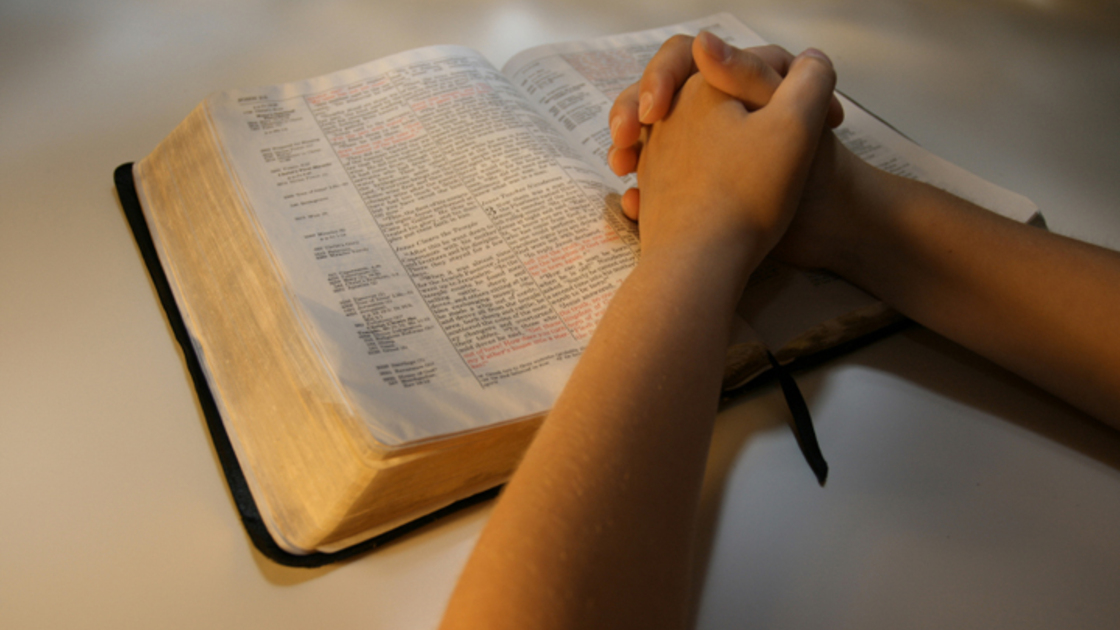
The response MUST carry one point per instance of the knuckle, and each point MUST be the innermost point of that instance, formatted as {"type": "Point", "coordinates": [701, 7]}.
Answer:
{"type": "Point", "coordinates": [778, 50]}
{"type": "Point", "coordinates": [693, 84]}
{"type": "Point", "coordinates": [625, 101]}
{"type": "Point", "coordinates": [775, 56]}
{"type": "Point", "coordinates": [630, 93]}
{"type": "Point", "coordinates": [677, 41]}
{"type": "Point", "coordinates": [816, 69]}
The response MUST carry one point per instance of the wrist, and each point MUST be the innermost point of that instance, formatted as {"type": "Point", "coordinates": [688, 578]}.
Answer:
{"type": "Point", "coordinates": [709, 248]}
{"type": "Point", "coordinates": [720, 262]}
{"type": "Point", "coordinates": [887, 222]}
{"type": "Point", "coordinates": [868, 201]}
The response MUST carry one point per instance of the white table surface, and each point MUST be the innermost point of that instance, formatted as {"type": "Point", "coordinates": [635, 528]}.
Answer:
{"type": "Point", "coordinates": [959, 495]}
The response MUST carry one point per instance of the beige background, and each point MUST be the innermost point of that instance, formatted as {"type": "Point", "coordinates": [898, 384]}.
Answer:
{"type": "Point", "coordinates": [959, 495]}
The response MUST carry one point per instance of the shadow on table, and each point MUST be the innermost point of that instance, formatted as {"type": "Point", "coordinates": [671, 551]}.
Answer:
{"type": "Point", "coordinates": [924, 359]}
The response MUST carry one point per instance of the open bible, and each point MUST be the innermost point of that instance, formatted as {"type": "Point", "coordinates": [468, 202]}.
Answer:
{"type": "Point", "coordinates": [382, 277]}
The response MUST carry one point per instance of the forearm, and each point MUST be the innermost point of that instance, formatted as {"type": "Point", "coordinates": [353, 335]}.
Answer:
{"type": "Point", "coordinates": [595, 529]}
{"type": "Point", "coordinates": [1041, 305]}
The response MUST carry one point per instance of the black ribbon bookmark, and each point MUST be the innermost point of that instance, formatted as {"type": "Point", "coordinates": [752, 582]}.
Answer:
{"type": "Point", "coordinates": [802, 422]}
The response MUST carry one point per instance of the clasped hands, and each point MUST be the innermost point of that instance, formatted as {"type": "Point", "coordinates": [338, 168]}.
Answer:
{"type": "Point", "coordinates": [738, 152]}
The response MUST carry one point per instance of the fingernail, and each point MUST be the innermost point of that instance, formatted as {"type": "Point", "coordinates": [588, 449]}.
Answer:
{"type": "Point", "coordinates": [645, 103]}
{"type": "Point", "coordinates": [813, 52]}
{"type": "Point", "coordinates": [715, 46]}
{"type": "Point", "coordinates": [615, 122]}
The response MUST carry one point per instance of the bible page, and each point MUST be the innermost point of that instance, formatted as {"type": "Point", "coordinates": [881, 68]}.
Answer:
{"type": "Point", "coordinates": [440, 239]}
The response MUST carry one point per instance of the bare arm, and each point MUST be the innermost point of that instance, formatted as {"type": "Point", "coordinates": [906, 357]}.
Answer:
{"type": "Point", "coordinates": [1039, 304]}
{"type": "Point", "coordinates": [1044, 306]}
{"type": "Point", "coordinates": [595, 529]}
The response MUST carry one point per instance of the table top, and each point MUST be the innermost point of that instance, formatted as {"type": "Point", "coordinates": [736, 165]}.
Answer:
{"type": "Point", "coordinates": [959, 495]}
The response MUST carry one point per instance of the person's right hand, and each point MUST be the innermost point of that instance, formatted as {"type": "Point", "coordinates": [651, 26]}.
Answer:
{"type": "Point", "coordinates": [751, 76]}
{"type": "Point", "coordinates": [702, 192]}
